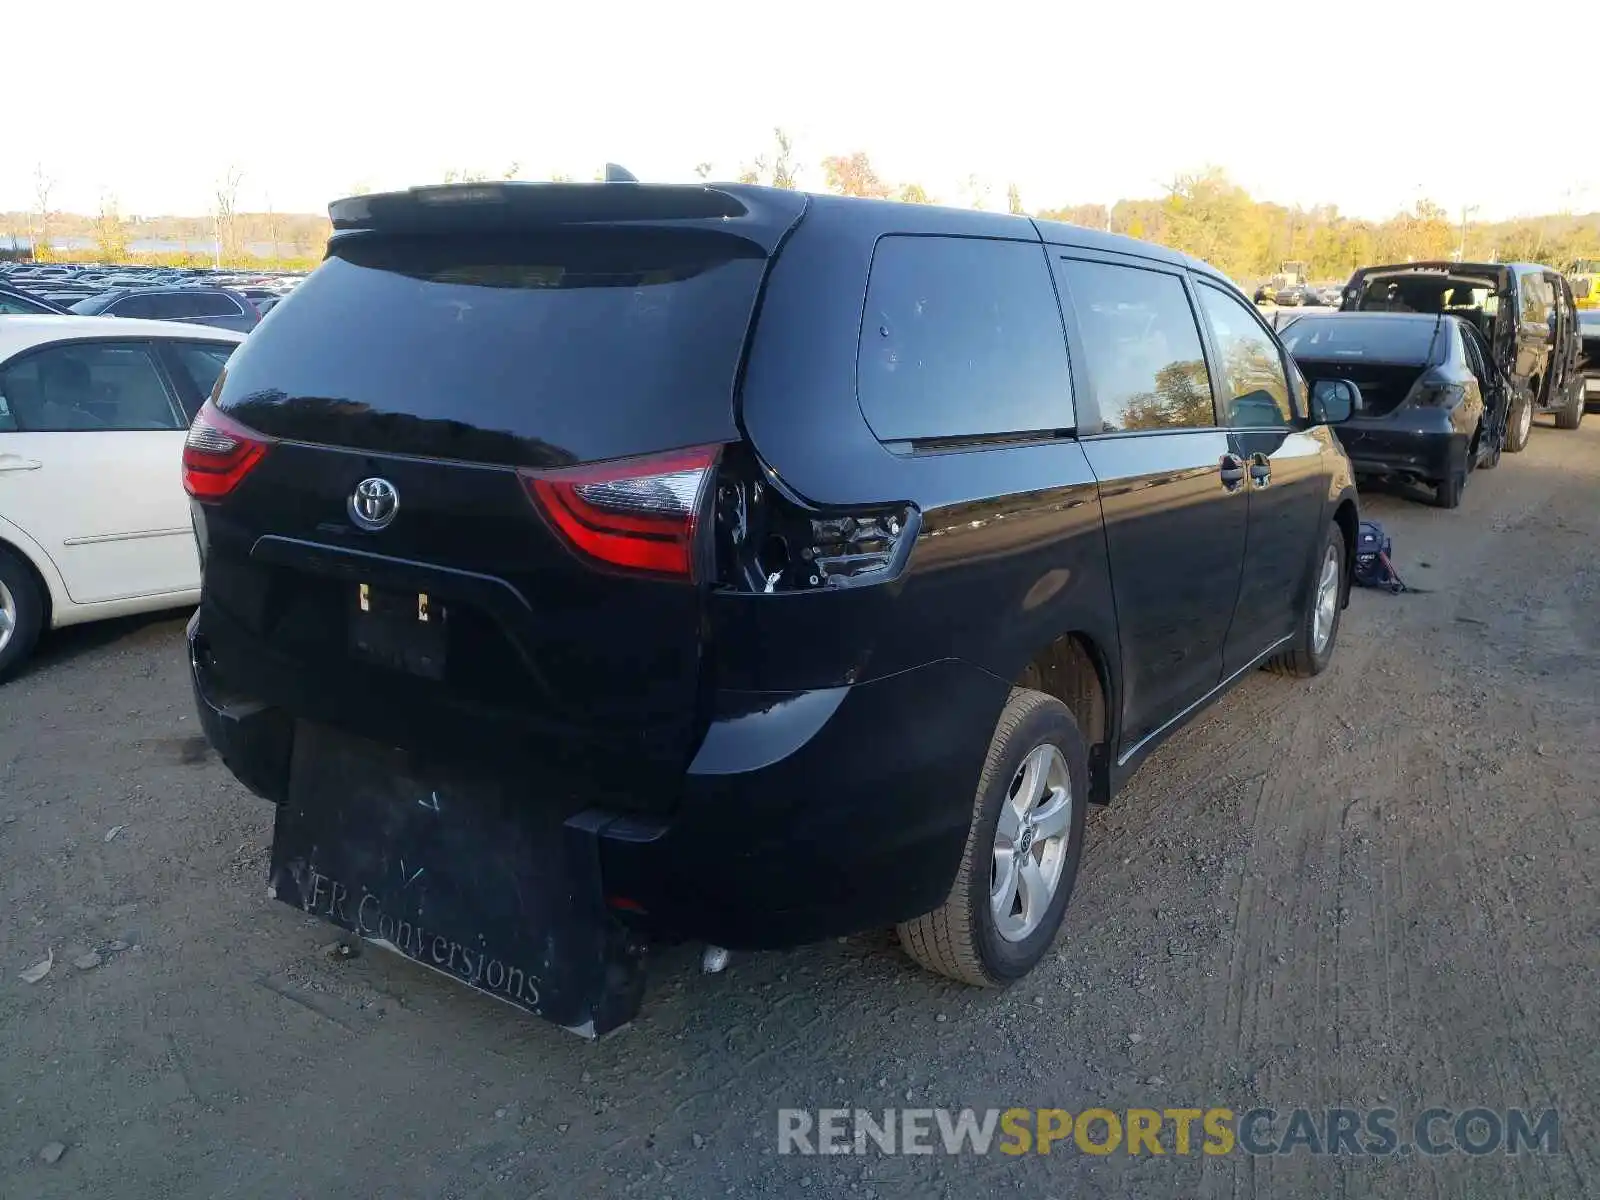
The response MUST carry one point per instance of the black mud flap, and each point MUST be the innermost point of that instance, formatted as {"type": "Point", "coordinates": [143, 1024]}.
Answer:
{"type": "Point", "coordinates": [469, 875]}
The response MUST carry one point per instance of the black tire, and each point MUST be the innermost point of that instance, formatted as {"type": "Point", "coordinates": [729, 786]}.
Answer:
{"type": "Point", "coordinates": [26, 607]}
{"type": "Point", "coordinates": [1447, 492]}
{"type": "Point", "coordinates": [961, 938]}
{"type": "Point", "coordinates": [1302, 659]}
{"type": "Point", "coordinates": [1519, 424]}
{"type": "Point", "coordinates": [1570, 414]}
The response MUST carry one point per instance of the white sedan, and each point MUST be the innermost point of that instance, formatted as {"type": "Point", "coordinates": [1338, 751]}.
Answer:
{"type": "Point", "coordinates": [94, 521]}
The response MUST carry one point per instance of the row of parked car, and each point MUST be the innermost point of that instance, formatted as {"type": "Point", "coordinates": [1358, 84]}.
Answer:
{"type": "Point", "coordinates": [903, 533]}
{"type": "Point", "coordinates": [1453, 361]}
{"type": "Point", "coordinates": [221, 298]}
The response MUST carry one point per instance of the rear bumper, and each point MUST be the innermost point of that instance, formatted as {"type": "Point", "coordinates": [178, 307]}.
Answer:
{"type": "Point", "coordinates": [803, 815]}
{"type": "Point", "coordinates": [827, 814]}
{"type": "Point", "coordinates": [1414, 445]}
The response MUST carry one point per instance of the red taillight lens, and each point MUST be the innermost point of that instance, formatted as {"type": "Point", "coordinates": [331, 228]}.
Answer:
{"type": "Point", "coordinates": [218, 454]}
{"type": "Point", "coordinates": [637, 513]}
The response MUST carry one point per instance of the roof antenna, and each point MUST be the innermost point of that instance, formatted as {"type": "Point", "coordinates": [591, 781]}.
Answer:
{"type": "Point", "coordinates": [619, 174]}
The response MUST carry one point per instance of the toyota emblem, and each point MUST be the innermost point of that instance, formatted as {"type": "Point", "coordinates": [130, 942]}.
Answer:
{"type": "Point", "coordinates": [374, 503]}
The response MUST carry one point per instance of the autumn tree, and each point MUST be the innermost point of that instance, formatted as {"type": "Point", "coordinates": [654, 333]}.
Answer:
{"type": "Point", "coordinates": [1014, 200]}
{"type": "Point", "coordinates": [912, 193]}
{"type": "Point", "coordinates": [853, 175]}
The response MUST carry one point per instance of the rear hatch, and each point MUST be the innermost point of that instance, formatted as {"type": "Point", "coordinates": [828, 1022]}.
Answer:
{"type": "Point", "coordinates": [1386, 357]}
{"type": "Point", "coordinates": [488, 422]}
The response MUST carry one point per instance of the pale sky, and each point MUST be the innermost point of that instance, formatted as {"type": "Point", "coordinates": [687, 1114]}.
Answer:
{"type": "Point", "coordinates": [1366, 104]}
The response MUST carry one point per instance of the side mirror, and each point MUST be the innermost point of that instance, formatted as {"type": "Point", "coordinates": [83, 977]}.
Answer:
{"type": "Point", "coordinates": [1333, 401]}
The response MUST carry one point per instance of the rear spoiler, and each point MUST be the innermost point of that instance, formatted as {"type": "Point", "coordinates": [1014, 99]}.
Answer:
{"type": "Point", "coordinates": [760, 215]}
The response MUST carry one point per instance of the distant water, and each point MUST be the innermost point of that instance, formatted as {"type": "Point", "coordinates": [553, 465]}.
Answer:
{"type": "Point", "coordinates": [206, 246]}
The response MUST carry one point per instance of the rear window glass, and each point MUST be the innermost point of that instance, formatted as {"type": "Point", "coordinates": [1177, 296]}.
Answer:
{"type": "Point", "coordinates": [1373, 339]}
{"type": "Point", "coordinates": [962, 337]}
{"type": "Point", "coordinates": [536, 350]}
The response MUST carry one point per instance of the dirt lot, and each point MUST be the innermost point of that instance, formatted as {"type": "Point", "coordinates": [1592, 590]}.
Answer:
{"type": "Point", "coordinates": [1379, 887]}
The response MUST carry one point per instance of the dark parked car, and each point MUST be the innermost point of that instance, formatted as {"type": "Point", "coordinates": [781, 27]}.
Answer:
{"type": "Point", "coordinates": [15, 303]}
{"type": "Point", "coordinates": [1425, 411]}
{"type": "Point", "coordinates": [1589, 328]}
{"type": "Point", "coordinates": [1526, 313]}
{"type": "Point", "coordinates": [193, 305]}
{"type": "Point", "coordinates": [585, 564]}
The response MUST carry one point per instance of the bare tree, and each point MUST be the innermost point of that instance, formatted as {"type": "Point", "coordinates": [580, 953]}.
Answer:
{"type": "Point", "coordinates": [273, 230]}
{"type": "Point", "coordinates": [783, 165]}
{"type": "Point", "coordinates": [703, 171]}
{"type": "Point", "coordinates": [776, 171]}
{"type": "Point", "coordinates": [976, 192]}
{"type": "Point", "coordinates": [227, 214]}
{"type": "Point", "coordinates": [1014, 200]}
{"type": "Point", "coordinates": [512, 171]}
{"type": "Point", "coordinates": [39, 233]}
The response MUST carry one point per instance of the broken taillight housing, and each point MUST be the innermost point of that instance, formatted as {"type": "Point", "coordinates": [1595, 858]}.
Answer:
{"type": "Point", "coordinates": [638, 514]}
{"type": "Point", "coordinates": [1439, 395]}
{"type": "Point", "coordinates": [769, 540]}
{"type": "Point", "coordinates": [218, 453]}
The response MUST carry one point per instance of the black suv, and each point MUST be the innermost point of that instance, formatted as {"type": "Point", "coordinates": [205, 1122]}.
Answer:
{"type": "Point", "coordinates": [585, 564]}
{"type": "Point", "coordinates": [1525, 312]}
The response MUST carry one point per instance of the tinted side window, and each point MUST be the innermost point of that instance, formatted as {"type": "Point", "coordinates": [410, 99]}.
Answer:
{"type": "Point", "coordinates": [1252, 364]}
{"type": "Point", "coordinates": [84, 386]}
{"type": "Point", "coordinates": [961, 337]}
{"type": "Point", "coordinates": [11, 306]}
{"type": "Point", "coordinates": [1141, 347]}
{"type": "Point", "coordinates": [136, 306]}
{"type": "Point", "coordinates": [202, 362]}
{"type": "Point", "coordinates": [213, 304]}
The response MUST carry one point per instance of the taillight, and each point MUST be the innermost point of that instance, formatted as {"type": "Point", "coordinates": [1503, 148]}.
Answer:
{"type": "Point", "coordinates": [1446, 395]}
{"type": "Point", "coordinates": [636, 513]}
{"type": "Point", "coordinates": [218, 454]}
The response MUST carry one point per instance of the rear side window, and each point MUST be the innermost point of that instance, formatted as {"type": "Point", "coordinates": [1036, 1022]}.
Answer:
{"type": "Point", "coordinates": [961, 337]}
{"type": "Point", "coordinates": [211, 304]}
{"type": "Point", "coordinates": [1252, 364]}
{"type": "Point", "coordinates": [202, 362]}
{"type": "Point", "coordinates": [535, 350]}
{"type": "Point", "coordinates": [1142, 347]}
{"type": "Point", "coordinates": [82, 387]}
{"type": "Point", "coordinates": [137, 306]}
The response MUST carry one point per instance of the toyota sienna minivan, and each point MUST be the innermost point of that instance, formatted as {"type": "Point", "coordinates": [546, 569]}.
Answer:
{"type": "Point", "coordinates": [587, 565]}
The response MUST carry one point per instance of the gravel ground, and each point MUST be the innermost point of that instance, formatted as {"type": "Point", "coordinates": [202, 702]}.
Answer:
{"type": "Point", "coordinates": [1376, 887]}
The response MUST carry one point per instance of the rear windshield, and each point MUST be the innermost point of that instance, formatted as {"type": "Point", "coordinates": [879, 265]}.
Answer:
{"type": "Point", "coordinates": [1372, 339]}
{"type": "Point", "coordinates": [533, 350]}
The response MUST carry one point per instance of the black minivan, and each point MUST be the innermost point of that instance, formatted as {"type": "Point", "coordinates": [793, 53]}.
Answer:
{"type": "Point", "coordinates": [592, 564]}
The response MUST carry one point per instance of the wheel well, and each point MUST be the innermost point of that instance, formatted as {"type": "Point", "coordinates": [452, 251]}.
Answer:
{"type": "Point", "coordinates": [1074, 671]}
{"type": "Point", "coordinates": [38, 579]}
{"type": "Point", "coordinates": [1349, 526]}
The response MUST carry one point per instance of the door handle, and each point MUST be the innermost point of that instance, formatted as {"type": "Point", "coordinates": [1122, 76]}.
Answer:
{"type": "Point", "coordinates": [1260, 470]}
{"type": "Point", "coordinates": [1232, 471]}
{"type": "Point", "coordinates": [15, 462]}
